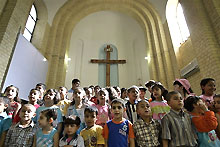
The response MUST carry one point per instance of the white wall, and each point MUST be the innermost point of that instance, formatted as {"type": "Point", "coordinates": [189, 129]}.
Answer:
{"type": "Point", "coordinates": [26, 69]}
{"type": "Point", "coordinates": [102, 28]}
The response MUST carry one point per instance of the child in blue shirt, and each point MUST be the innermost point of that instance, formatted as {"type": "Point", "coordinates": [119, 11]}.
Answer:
{"type": "Point", "coordinates": [5, 119]}
{"type": "Point", "coordinates": [118, 131]}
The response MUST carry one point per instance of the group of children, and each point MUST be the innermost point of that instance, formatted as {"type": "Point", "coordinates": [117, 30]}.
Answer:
{"type": "Point", "coordinates": [96, 116]}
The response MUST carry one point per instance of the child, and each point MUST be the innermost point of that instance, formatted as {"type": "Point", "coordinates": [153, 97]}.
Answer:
{"type": "Point", "coordinates": [71, 125]}
{"type": "Point", "coordinates": [33, 97]}
{"type": "Point", "coordinates": [75, 84]}
{"type": "Point", "coordinates": [147, 131]}
{"type": "Point", "coordinates": [103, 108]}
{"type": "Point", "coordinates": [123, 93]}
{"type": "Point", "coordinates": [142, 93]}
{"type": "Point", "coordinates": [217, 113]}
{"type": "Point", "coordinates": [51, 98]}
{"type": "Point", "coordinates": [208, 91]}
{"type": "Point", "coordinates": [42, 88]}
{"type": "Point", "coordinates": [5, 120]}
{"type": "Point", "coordinates": [63, 104]}
{"type": "Point", "coordinates": [94, 98]}
{"type": "Point", "coordinates": [92, 134]}
{"type": "Point", "coordinates": [183, 87]}
{"type": "Point", "coordinates": [133, 94]}
{"type": "Point", "coordinates": [118, 132]}
{"type": "Point", "coordinates": [159, 106]}
{"type": "Point", "coordinates": [149, 85]}
{"type": "Point", "coordinates": [11, 92]}
{"type": "Point", "coordinates": [76, 108]}
{"type": "Point", "coordinates": [47, 135]}
{"type": "Point", "coordinates": [22, 134]}
{"type": "Point", "coordinates": [177, 129]}
{"type": "Point", "coordinates": [204, 121]}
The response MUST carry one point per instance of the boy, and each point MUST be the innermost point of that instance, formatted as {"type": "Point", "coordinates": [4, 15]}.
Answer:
{"type": "Point", "coordinates": [33, 97]}
{"type": "Point", "coordinates": [5, 120]}
{"type": "Point", "coordinates": [177, 129]}
{"type": "Point", "coordinates": [22, 134]}
{"type": "Point", "coordinates": [75, 84]}
{"type": "Point", "coordinates": [42, 88]}
{"type": "Point", "coordinates": [147, 131]}
{"type": "Point", "coordinates": [92, 134]}
{"type": "Point", "coordinates": [64, 103]}
{"type": "Point", "coordinates": [118, 131]}
{"type": "Point", "coordinates": [133, 94]}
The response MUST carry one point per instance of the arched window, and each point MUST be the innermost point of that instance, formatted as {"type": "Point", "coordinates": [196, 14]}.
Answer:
{"type": "Point", "coordinates": [30, 24]}
{"type": "Point", "coordinates": [177, 24]}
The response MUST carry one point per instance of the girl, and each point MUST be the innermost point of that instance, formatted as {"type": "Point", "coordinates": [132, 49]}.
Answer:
{"type": "Point", "coordinates": [183, 87]}
{"type": "Point", "coordinates": [217, 112]}
{"type": "Point", "coordinates": [71, 125]}
{"type": "Point", "coordinates": [208, 91]}
{"type": "Point", "coordinates": [123, 93]}
{"type": "Point", "coordinates": [47, 135]}
{"type": "Point", "coordinates": [50, 99]}
{"type": "Point", "coordinates": [103, 108]}
{"type": "Point", "coordinates": [204, 121]}
{"type": "Point", "coordinates": [77, 107]}
{"type": "Point", "coordinates": [159, 106]}
{"type": "Point", "coordinates": [11, 92]}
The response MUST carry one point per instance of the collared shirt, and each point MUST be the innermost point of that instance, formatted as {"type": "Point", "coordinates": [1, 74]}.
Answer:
{"type": "Point", "coordinates": [147, 134]}
{"type": "Point", "coordinates": [18, 136]}
{"type": "Point", "coordinates": [178, 129]}
{"type": "Point", "coordinates": [131, 111]}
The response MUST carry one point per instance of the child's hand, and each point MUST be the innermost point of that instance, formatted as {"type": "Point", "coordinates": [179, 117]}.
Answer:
{"type": "Point", "coordinates": [202, 106]}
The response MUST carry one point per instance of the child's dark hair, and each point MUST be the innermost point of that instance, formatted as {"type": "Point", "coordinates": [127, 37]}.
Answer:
{"type": "Point", "coordinates": [184, 89]}
{"type": "Point", "coordinates": [16, 99]}
{"type": "Point", "coordinates": [170, 94]}
{"type": "Point", "coordinates": [204, 82]}
{"type": "Point", "coordinates": [188, 103]}
{"type": "Point", "coordinates": [74, 81]}
{"type": "Point", "coordinates": [118, 101]}
{"type": "Point", "coordinates": [50, 113]}
{"type": "Point", "coordinates": [72, 120]}
{"type": "Point", "coordinates": [102, 90]}
{"type": "Point", "coordinates": [163, 90]}
{"type": "Point", "coordinates": [34, 89]}
{"type": "Point", "coordinates": [149, 83]}
{"type": "Point", "coordinates": [42, 85]}
{"type": "Point", "coordinates": [56, 98]}
{"type": "Point", "coordinates": [91, 109]}
{"type": "Point", "coordinates": [111, 93]}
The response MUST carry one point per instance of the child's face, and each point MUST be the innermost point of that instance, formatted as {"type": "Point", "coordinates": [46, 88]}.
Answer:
{"type": "Point", "coordinates": [124, 94]}
{"type": "Point", "coordinates": [117, 110]}
{"type": "Point", "coordinates": [157, 92]}
{"type": "Point", "coordinates": [70, 129]}
{"type": "Point", "coordinates": [49, 96]}
{"type": "Point", "coordinates": [176, 102]}
{"type": "Point", "coordinates": [27, 113]}
{"type": "Point", "coordinates": [63, 91]}
{"type": "Point", "coordinates": [43, 120]}
{"type": "Point", "coordinates": [217, 103]}
{"type": "Point", "coordinates": [144, 109]}
{"type": "Point", "coordinates": [142, 93]}
{"type": "Point", "coordinates": [178, 88]}
{"type": "Point", "coordinates": [41, 89]}
{"type": "Point", "coordinates": [90, 118]}
{"type": "Point", "coordinates": [133, 94]}
{"type": "Point", "coordinates": [34, 96]}
{"type": "Point", "coordinates": [102, 97]}
{"type": "Point", "coordinates": [209, 88]}
{"type": "Point", "coordinates": [2, 107]}
{"type": "Point", "coordinates": [78, 95]}
{"type": "Point", "coordinates": [11, 92]}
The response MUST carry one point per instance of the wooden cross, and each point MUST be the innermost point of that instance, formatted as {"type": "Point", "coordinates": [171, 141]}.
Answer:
{"type": "Point", "coordinates": [107, 61]}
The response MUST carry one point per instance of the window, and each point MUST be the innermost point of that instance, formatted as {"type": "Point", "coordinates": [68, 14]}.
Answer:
{"type": "Point", "coordinates": [30, 24]}
{"type": "Point", "coordinates": [177, 24]}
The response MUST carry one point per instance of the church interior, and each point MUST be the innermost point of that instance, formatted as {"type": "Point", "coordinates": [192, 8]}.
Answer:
{"type": "Point", "coordinates": [159, 40]}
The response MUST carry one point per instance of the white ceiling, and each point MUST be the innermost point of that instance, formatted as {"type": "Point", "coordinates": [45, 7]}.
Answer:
{"type": "Point", "coordinates": [54, 5]}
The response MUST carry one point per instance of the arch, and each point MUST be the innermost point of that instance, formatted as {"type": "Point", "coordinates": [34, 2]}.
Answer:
{"type": "Point", "coordinates": [68, 16]}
